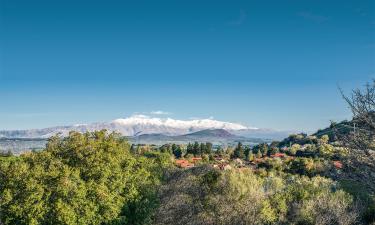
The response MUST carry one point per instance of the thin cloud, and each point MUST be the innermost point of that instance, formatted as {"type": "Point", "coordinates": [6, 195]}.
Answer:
{"type": "Point", "coordinates": [240, 20]}
{"type": "Point", "coordinates": [313, 17]}
{"type": "Point", "coordinates": [159, 112]}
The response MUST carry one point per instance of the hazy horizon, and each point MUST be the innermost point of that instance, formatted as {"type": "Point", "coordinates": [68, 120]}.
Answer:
{"type": "Point", "coordinates": [164, 117]}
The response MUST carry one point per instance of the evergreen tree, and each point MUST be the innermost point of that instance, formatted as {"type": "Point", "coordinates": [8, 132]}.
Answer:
{"type": "Point", "coordinates": [239, 151]}
{"type": "Point", "coordinates": [247, 151]}
{"type": "Point", "coordinates": [263, 148]}
{"type": "Point", "coordinates": [208, 148]}
{"type": "Point", "coordinates": [196, 149]}
{"type": "Point", "coordinates": [220, 151]}
{"type": "Point", "coordinates": [174, 147]}
{"type": "Point", "coordinates": [177, 152]}
{"type": "Point", "coordinates": [203, 148]}
{"type": "Point", "coordinates": [189, 149]}
{"type": "Point", "coordinates": [166, 148]}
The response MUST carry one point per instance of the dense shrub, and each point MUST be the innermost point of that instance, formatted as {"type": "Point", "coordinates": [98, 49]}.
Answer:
{"type": "Point", "coordinates": [87, 178]}
{"type": "Point", "coordinates": [205, 196]}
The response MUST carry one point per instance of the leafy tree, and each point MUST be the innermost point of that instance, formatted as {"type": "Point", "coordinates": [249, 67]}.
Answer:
{"type": "Point", "coordinates": [327, 209]}
{"type": "Point", "coordinates": [294, 148]}
{"type": "Point", "coordinates": [326, 150]}
{"type": "Point", "coordinates": [273, 148]}
{"type": "Point", "coordinates": [275, 144]}
{"type": "Point", "coordinates": [229, 151]}
{"type": "Point", "coordinates": [250, 157]}
{"type": "Point", "coordinates": [263, 148]}
{"type": "Point", "coordinates": [324, 139]}
{"type": "Point", "coordinates": [206, 196]}
{"type": "Point", "coordinates": [166, 148]}
{"type": "Point", "coordinates": [86, 178]}
{"type": "Point", "coordinates": [205, 158]}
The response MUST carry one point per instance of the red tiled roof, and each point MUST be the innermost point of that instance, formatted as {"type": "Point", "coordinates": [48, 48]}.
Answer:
{"type": "Point", "coordinates": [278, 155]}
{"type": "Point", "coordinates": [183, 163]}
{"type": "Point", "coordinates": [337, 164]}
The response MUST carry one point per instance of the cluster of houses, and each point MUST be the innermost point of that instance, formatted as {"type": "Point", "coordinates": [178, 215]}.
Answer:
{"type": "Point", "coordinates": [224, 164]}
{"type": "Point", "coordinates": [184, 163]}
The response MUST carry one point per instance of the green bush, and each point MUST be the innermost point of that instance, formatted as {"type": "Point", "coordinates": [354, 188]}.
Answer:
{"type": "Point", "coordinates": [89, 178]}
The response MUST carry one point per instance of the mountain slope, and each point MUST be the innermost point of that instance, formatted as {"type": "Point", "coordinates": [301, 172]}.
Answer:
{"type": "Point", "coordinates": [215, 136]}
{"type": "Point", "coordinates": [140, 124]}
{"type": "Point", "coordinates": [134, 125]}
{"type": "Point", "coordinates": [217, 133]}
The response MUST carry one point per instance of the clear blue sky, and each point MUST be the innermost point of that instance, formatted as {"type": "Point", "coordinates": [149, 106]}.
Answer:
{"type": "Point", "coordinates": [271, 64]}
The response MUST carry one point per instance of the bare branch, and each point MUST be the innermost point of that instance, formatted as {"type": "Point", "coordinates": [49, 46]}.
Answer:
{"type": "Point", "coordinates": [362, 105]}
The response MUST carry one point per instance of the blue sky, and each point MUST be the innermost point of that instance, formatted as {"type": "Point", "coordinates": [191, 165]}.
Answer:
{"type": "Point", "coordinates": [272, 64]}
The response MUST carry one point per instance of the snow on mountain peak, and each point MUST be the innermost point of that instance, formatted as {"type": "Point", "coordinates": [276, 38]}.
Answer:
{"type": "Point", "coordinates": [135, 125]}
{"type": "Point", "coordinates": [195, 124]}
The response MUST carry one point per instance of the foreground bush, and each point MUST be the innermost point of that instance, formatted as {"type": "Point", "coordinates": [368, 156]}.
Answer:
{"type": "Point", "coordinates": [81, 179]}
{"type": "Point", "coordinates": [206, 196]}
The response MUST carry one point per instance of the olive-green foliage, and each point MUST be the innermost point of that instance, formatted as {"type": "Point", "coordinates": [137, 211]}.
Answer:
{"type": "Point", "coordinates": [206, 196]}
{"type": "Point", "coordinates": [272, 164]}
{"type": "Point", "coordinates": [358, 190]}
{"type": "Point", "coordinates": [307, 166]}
{"type": "Point", "coordinates": [89, 178]}
{"type": "Point", "coordinates": [329, 208]}
{"type": "Point", "coordinates": [293, 150]}
{"type": "Point", "coordinates": [300, 165]}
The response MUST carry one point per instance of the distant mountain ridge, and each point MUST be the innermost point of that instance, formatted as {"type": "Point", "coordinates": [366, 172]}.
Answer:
{"type": "Point", "coordinates": [140, 124]}
{"type": "Point", "coordinates": [221, 133]}
{"type": "Point", "coordinates": [215, 136]}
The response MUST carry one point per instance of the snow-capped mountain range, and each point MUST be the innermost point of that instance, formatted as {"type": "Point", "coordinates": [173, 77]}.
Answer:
{"type": "Point", "coordinates": [140, 124]}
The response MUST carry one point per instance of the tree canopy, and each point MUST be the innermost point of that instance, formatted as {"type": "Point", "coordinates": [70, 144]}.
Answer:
{"type": "Point", "coordinates": [89, 178]}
